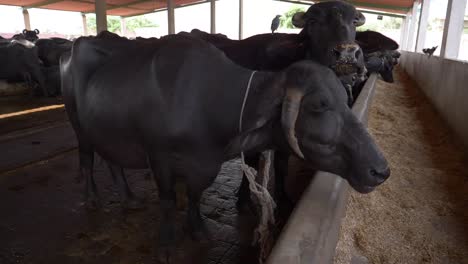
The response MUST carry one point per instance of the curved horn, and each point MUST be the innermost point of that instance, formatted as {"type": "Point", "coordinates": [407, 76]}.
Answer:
{"type": "Point", "coordinates": [37, 31]}
{"type": "Point", "coordinates": [290, 111]}
{"type": "Point", "coordinates": [360, 19]}
{"type": "Point", "coordinates": [298, 19]}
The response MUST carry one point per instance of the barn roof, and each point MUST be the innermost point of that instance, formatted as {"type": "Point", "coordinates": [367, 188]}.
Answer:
{"type": "Point", "coordinates": [138, 7]}
{"type": "Point", "coordinates": [114, 7]}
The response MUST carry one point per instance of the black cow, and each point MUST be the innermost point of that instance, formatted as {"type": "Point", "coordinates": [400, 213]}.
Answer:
{"type": "Point", "coordinates": [177, 112]}
{"type": "Point", "coordinates": [50, 50]}
{"type": "Point", "coordinates": [379, 52]}
{"type": "Point", "coordinates": [383, 62]}
{"type": "Point", "coordinates": [328, 36]}
{"type": "Point", "coordinates": [371, 41]}
{"type": "Point", "coordinates": [22, 65]}
{"type": "Point", "coordinates": [30, 35]}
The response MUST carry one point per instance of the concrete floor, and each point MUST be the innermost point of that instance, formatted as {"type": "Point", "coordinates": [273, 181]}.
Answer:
{"type": "Point", "coordinates": [44, 220]}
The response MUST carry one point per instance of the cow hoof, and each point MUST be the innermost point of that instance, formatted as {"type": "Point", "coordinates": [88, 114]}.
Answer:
{"type": "Point", "coordinates": [166, 254]}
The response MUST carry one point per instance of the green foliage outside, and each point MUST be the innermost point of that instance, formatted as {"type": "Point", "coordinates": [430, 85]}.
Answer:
{"type": "Point", "coordinates": [381, 25]}
{"type": "Point", "coordinates": [285, 21]}
{"type": "Point", "coordinates": [113, 23]}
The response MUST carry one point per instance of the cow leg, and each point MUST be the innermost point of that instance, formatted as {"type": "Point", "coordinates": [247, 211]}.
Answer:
{"type": "Point", "coordinates": [281, 172]}
{"type": "Point", "coordinates": [167, 208]}
{"type": "Point", "coordinates": [86, 168]}
{"type": "Point", "coordinates": [127, 198]}
{"type": "Point", "coordinates": [199, 177]}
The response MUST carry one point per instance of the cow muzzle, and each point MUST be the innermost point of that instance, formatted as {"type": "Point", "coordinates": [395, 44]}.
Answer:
{"type": "Point", "coordinates": [346, 57]}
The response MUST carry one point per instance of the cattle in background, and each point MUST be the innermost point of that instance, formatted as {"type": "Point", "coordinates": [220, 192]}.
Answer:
{"type": "Point", "coordinates": [22, 65]}
{"type": "Point", "coordinates": [179, 115]}
{"type": "Point", "coordinates": [318, 40]}
{"type": "Point", "coordinates": [30, 35]}
{"type": "Point", "coordinates": [380, 53]}
{"type": "Point", "coordinates": [371, 41]}
{"type": "Point", "coordinates": [383, 62]}
{"type": "Point", "coordinates": [50, 50]}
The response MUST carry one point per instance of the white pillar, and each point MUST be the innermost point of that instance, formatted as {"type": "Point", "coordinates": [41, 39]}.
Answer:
{"type": "Point", "coordinates": [101, 17]}
{"type": "Point", "coordinates": [422, 28]}
{"type": "Point", "coordinates": [412, 28]}
{"type": "Point", "coordinates": [404, 32]}
{"type": "Point", "coordinates": [123, 26]}
{"type": "Point", "coordinates": [453, 29]}
{"type": "Point", "coordinates": [241, 18]}
{"type": "Point", "coordinates": [27, 22]}
{"type": "Point", "coordinates": [213, 16]}
{"type": "Point", "coordinates": [170, 17]}
{"type": "Point", "coordinates": [85, 25]}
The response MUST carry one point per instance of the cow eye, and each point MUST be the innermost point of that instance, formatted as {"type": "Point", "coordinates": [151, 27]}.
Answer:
{"type": "Point", "coordinates": [312, 20]}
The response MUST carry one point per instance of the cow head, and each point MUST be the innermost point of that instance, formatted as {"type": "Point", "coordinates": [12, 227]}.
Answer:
{"type": "Point", "coordinates": [329, 29]}
{"type": "Point", "coordinates": [31, 35]}
{"type": "Point", "coordinates": [383, 63]}
{"type": "Point", "coordinates": [320, 128]}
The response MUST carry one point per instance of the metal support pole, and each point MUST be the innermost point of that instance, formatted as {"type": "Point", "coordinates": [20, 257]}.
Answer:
{"type": "Point", "coordinates": [123, 26]}
{"type": "Point", "coordinates": [453, 29]}
{"type": "Point", "coordinates": [85, 24]}
{"type": "Point", "coordinates": [101, 17]}
{"type": "Point", "coordinates": [170, 17]}
{"type": "Point", "coordinates": [241, 18]}
{"type": "Point", "coordinates": [27, 22]}
{"type": "Point", "coordinates": [423, 22]}
{"type": "Point", "coordinates": [213, 16]}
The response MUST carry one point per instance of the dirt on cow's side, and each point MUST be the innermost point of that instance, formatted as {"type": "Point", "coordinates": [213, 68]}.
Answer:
{"type": "Point", "coordinates": [420, 215]}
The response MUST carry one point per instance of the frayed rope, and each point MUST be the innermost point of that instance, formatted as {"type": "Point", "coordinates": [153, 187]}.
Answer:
{"type": "Point", "coordinates": [260, 191]}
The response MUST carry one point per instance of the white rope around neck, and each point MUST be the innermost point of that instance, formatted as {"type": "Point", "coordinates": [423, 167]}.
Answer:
{"type": "Point", "coordinates": [267, 203]}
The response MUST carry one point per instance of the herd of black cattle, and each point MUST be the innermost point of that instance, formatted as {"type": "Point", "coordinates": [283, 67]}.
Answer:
{"type": "Point", "coordinates": [36, 61]}
{"type": "Point", "coordinates": [173, 104]}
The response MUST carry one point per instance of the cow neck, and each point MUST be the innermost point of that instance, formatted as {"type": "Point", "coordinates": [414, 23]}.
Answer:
{"type": "Point", "coordinates": [262, 101]}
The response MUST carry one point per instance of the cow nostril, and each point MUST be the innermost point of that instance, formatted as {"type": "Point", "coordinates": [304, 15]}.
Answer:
{"type": "Point", "coordinates": [336, 52]}
{"type": "Point", "coordinates": [380, 175]}
{"type": "Point", "coordinates": [357, 53]}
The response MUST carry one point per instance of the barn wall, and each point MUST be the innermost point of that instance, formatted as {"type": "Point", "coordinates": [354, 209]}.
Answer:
{"type": "Point", "coordinates": [445, 83]}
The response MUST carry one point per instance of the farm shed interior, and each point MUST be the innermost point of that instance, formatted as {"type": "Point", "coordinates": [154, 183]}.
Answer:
{"type": "Point", "coordinates": [418, 121]}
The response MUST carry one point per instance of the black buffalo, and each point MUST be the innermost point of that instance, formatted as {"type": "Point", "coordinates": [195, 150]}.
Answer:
{"type": "Point", "coordinates": [380, 53]}
{"type": "Point", "coordinates": [383, 63]}
{"type": "Point", "coordinates": [30, 35]}
{"type": "Point", "coordinates": [50, 50]}
{"type": "Point", "coordinates": [371, 41]}
{"type": "Point", "coordinates": [177, 112]}
{"type": "Point", "coordinates": [328, 37]}
{"type": "Point", "coordinates": [22, 66]}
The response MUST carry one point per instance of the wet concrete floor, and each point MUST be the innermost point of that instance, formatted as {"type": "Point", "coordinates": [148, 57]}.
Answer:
{"type": "Point", "coordinates": [43, 218]}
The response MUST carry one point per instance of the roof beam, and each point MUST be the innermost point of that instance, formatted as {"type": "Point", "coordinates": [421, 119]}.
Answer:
{"type": "Point", "coordinates": [43, 3]}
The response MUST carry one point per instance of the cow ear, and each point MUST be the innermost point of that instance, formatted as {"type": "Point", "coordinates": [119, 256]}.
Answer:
{"type": "Point", "coordinates": [298, 19]}
{"type": "Point", "coordinates": [37, 31]}
{"type": "Point", "coordinates": [249, 141]}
